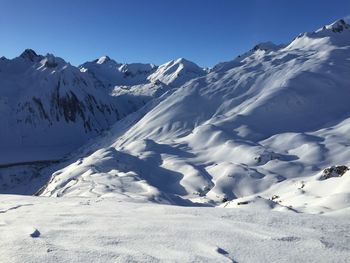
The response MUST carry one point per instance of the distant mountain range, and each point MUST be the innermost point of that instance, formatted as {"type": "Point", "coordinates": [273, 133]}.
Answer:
{"type": "Point", "coordinates": [49, 107]}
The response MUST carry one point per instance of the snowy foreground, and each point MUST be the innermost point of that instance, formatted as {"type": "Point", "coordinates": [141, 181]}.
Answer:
{"type": "Point", "coordinates": [41, 229]}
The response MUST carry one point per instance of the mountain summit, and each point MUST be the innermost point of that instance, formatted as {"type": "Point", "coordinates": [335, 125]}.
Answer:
{"type": "Point", "coordinates": [336, 27]}
{"type": "Point", "coordinates": [29, 54]}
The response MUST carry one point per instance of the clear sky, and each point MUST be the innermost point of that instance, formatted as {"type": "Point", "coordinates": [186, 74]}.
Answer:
{"type": "Point", "coordinates": [204, 31]}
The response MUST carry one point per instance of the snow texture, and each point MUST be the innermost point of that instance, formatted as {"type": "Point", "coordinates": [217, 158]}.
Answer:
{"type": "Point", "coordinates": [113, 230]}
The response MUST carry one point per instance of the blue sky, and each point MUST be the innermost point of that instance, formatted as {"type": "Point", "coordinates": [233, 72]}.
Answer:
{"type": "Point", "coordinates": [204, 31]}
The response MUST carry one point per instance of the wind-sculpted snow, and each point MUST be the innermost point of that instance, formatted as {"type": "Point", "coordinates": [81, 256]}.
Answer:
{"type": "Point", "coordinates": [256, 131]}
{"type": "Point", "coordinates": [116, 230]}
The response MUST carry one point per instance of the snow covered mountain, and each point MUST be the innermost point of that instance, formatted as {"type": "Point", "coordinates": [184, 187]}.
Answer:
{"type": "Point", "coordinates": [176, 72]}
{"type": "Point", "coordinates": [258, 130]}
{"type": "Point", "coordinates": [109, 73]}
{"type": "Point", "coordinates": [269, 130]}
{"type": "Point", "coordinates": [49, 107]}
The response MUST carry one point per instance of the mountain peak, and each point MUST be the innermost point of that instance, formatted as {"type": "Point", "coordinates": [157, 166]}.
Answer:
{"type": "Point", "coordinates": [51, 61]}
{"type": "Point", "coordinates": [185, 63]}
{"type": "Point", "coordinates": [265, 46]}
{"type": "Point", "coordinates": [336, 27]}
{"type": "Point", "coordinates": [29, 54]}
{"type": "Point", "coordinates": [103, 60]}
{"type": "Point", "coordinates": [182, 61]}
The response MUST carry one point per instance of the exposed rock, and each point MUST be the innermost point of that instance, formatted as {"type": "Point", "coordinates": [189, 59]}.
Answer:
{"type": "Point", "coordinates": [29, 54]}
{"type": "Point", "coordinates": [274, 197]}
{"type": "Point", "coordinates": [334, 171]}
{"type": "Point", "coordinates": [266, 156]}
{"type": "Point", "coordinates": [35, 233]}
{"type": "Point", "coordinates": [243, 203]}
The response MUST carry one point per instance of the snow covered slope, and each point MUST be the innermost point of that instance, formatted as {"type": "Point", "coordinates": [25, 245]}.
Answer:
{"type": "Point", "coordinates": [258, 125]}
{"type": "Point", "coordinates": [39, 229]}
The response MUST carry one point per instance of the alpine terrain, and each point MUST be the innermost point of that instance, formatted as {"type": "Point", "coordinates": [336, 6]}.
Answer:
{"type": "Point", "coordinates": [139, 162]}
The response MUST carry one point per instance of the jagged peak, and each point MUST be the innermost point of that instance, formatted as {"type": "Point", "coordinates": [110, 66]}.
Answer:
{"type": "Point", "coordinates": [51, 61]}
{"type": "Point", "coordinates": [29, 54]}
{"type": "Point", "coordinates": [266, 46]}
{"type": "Point", "coordinates": [263, 46]}
{"type": "Point", "coordinates": [336, 27]}
{"type": "Point", "coordinates": [103, 59]}
{"type": "Point", "coordinates": [48, 61]}
{"type": "Point", "coordinates": [337, 33]}
{"type": "Point", "coordinates": [182, 63]}
{"type": "Point", "coordinates": [137, 68]}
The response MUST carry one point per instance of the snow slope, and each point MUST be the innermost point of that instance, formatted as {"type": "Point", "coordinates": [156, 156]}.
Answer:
{"type": "Point", "coordinates": [257, 125]}
{"type": "Point", "coordinates": [39, 229]}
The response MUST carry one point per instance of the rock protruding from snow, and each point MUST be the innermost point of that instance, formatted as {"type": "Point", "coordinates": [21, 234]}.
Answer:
{"type": "Point", "coordinates": [35, 233]}
{"type": "Point", "coordinates": [266, 46]}
{"type": "Point", "coordinates": [336, 34]}
{"type": "Point", "coordinates": [334, 171]}
{"type": "Point", "coordinates": [134, 69]}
